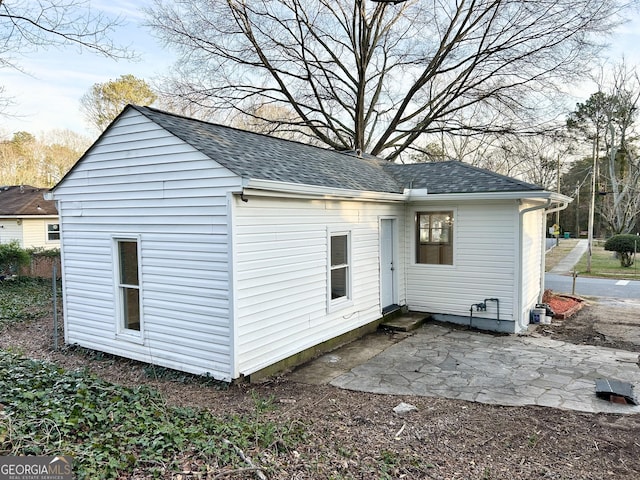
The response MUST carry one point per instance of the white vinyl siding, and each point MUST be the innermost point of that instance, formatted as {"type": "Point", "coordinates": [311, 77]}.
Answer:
{"type": "Point", "coordinates": [29, 232]}
{"type": "Point", "coordinates": [484, 266]}
{"type": "Point", "coordinates": [281, 250]}
{"type": "Point", "coordinates": [10, 231]}
{"type": "Point", "coordinates": [138, 180]}
{"type": "Point", "coordinates": [532, 238]}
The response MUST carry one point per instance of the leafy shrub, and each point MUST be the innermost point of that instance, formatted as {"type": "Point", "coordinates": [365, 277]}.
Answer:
{"type": "Point", "coordinates": [43, 252]}
{"type": "Point", "coordinates": [625, 246]}
{"type": "Point", "coordinates": [12, 257]}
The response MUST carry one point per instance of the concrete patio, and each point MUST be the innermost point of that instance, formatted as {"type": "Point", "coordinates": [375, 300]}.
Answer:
{"type": "Point", "coordinates": [442, 361]}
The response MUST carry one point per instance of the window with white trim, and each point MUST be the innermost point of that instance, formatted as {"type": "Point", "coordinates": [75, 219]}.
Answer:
{"type": "Point", "coordinates": [128, 284]}
{"type": "Point", "coordinates": [340, 270]}
{"type": "Point", "coordinates": [434, 242]}
{"type": "Point", "coordinates": [53, 232]}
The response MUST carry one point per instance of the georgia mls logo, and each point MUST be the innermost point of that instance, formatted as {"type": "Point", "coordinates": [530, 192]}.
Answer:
{"type": "Point", "coordinates": [36, 468]}
{"type": "Point", "coordinates": [59, 466]}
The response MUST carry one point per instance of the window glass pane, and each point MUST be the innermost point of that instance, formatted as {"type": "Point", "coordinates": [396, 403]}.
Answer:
{"type": "Point", "coordinates": [53, 231]}
{"type": "Point", "coordinates": [131, 299]}
{"type": "Point", "coordinates": [339, 250]}
{"type": "Point", "coordinates": [440, 235]}
{"type": "Point", "coordinates": [128, 262]}
{"type": "Point", "coordinates": [339, 282]}
{"type": "Point", "coordinates": [434, 238]}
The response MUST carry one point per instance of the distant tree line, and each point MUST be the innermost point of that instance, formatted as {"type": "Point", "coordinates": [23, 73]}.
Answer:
{"type": "Point", "coordinates": [39, 161]}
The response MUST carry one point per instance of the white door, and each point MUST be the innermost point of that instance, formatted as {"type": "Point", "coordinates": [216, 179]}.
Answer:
{"type": "Point", "coordinates": [387, 266]}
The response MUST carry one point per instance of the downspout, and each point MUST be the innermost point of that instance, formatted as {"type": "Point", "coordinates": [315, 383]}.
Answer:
{"type": "Point", "coordinates": [544, 247]}
{"type": "Point", "coordinates": [521, 251]}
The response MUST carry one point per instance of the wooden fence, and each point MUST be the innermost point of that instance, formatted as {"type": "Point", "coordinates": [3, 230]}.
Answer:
{"type": "Point", "coordinates": [41, 266]}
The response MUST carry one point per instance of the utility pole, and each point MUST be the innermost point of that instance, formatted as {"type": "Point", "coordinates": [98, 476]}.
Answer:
{"type": "Point", "coordinates": [592, 205]}
{"type": "Point", "coordinates": [577, 204]}
{"type": "Point", "coordinates": [558, 212]}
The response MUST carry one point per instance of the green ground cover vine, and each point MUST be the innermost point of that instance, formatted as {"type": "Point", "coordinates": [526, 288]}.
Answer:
{"type": "Point", "coordinates": [111, 429]}
{"type": "Point", "coordinates": [25, 298]}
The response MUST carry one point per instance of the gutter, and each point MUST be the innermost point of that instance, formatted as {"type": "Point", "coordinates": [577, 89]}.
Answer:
{"type": "Point", "coordinates": [418, 194]}
{"type": "Point", "coordinates": [553, 198]}
{"type": "Point", "coordinates": [271, 188]}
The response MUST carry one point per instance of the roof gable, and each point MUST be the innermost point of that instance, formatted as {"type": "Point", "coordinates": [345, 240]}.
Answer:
{"type": "Point", "coordinates": [261, 157]}
{"type": "Point", "coordinates": [253, 155]}
{"type": "Point", "coordinates": [258, 156]}
{"type": "Point", "coordinates": [23, 200]}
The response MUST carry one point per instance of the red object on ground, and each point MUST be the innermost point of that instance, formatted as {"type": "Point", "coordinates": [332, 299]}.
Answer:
{"type": "Point", "coordinates": [562, 305]}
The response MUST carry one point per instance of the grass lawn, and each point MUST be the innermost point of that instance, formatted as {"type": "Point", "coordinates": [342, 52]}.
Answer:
{"type": "Point", "coordinates": [604, 264]}
{"type": "Point", "coordinates": [558, 252]}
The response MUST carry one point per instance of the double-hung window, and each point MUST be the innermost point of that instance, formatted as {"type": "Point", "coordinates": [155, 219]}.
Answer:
{"type": "Point", "coordinates": [53, 232]}
{"type": "Point", "coordinates": [434, 242]}
{"type": "Point", "coordinates": [339, 267]}
{"type": "Point", "coordinates": [128, 285]}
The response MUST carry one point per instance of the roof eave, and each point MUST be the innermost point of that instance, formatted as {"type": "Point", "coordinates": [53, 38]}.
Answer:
{"type": "Point", "coordinates": [271, 188]}
{"type": "Point", "coordinates": [508, 195]}
{"type": "Point", "coordinates": [27, 216]}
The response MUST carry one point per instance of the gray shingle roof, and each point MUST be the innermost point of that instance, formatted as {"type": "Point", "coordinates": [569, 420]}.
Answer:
{"type": "Point", "coordinates": [256, 156]}
{"type": "Point", "coordinates": [253, 155]}
{"type": "Point", "coordinates": [455, 177]}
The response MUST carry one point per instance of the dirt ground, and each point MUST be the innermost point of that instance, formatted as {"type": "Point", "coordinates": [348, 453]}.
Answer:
{"type": "Point", "coordinates": [605, 322]}
{"type": "Point", "coordinates": [354, 435]}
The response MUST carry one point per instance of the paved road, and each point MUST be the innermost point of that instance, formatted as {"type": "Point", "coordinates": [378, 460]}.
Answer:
{"type": "Point", "coordinates": [596, 287]}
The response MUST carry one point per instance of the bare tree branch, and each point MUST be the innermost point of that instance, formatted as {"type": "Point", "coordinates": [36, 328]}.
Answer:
{"type": "Point", "coordinates": [378, 77]}
{"type": "Point", "coordinates": [29, 26]}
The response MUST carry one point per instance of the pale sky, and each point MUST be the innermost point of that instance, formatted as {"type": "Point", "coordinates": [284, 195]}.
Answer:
{"type": "Point", "coordinates": [49, 97]}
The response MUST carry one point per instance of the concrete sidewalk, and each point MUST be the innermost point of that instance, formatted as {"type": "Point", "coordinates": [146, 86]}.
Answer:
{"type": "Point", "coordinates": [567, 263]}
{"type": "Point", "coordinates": [510, 370]}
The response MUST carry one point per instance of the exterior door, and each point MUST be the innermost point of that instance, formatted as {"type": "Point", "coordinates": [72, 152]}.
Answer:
{"type": "Point", "coordinates": [388, 287]}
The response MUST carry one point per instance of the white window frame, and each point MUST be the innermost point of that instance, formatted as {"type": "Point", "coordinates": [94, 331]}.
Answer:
{"type": "Point", "coordinates": [347, 300]}
{"type": "Point", "coordinates": [47, 232]}
{"type": "Point", "coordinates": [136, 336]}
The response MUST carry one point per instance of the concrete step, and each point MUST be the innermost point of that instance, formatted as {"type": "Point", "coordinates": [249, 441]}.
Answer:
{"type": "Point", "coordinates": [405, 322]}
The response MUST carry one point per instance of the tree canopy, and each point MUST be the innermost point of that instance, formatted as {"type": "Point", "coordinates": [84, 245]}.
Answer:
{"type": "Point", "coordinates": [356, 74]}
{"type": "Point", "coordinates": [40, 162]}
{"type": "Point", "coordinates": [104, 101]}
{"type": "Point", "coordinates": [607, 121]}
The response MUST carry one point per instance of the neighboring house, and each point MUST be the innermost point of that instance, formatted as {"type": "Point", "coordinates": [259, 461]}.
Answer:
{"type": "Point", "coordinates": [213, 250]}
{"type": "Point", "coordinates": [26, 217]}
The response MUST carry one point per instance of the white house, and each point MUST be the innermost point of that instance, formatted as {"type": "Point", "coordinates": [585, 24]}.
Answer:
{"type": "Point", "coordinates": [208, 249]}
{"type": "Point", "coordinates": [26, 217]}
